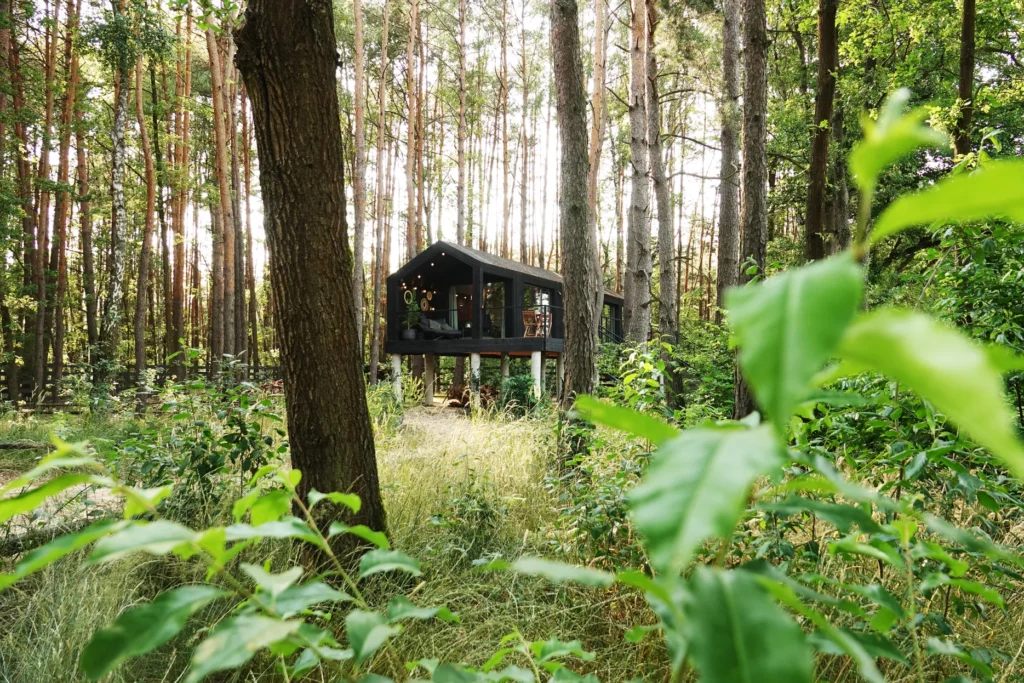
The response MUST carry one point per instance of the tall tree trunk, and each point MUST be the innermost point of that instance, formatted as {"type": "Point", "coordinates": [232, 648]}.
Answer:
{"type": "Point", "coordinates": [63, 196]}
{"type": "Point", "coordinates": [161, 206]}
{"type": "Point", "coordinates": [729, 211]}
{"type": "Point", "coordinates": [181, 196]}
{"type": "Point", "coordinates": [669, 298]}
{"type": "Point", "coordinates": [460, 221]}
{"type": "Point", "coordinates": [227, 218]}
{"type": "Point", "coordinates": [817, 174]}
{"type": "Point", "coordinates": [379, 261]}
{"type": "Point", "coordinates": [754, 212]}
{"type": "Point", "coordinates": [359, 176]}
{"type": "Point", "coordinates": [85, 227]}
{"type": "Point", "coordinates": [250, 270]}
{"type": "Point", "coordinates": [142, 282]}
{"type": "Point", "coordinates": [287, 54]}
{"type": "Point", "coordinates": [28, 228]}
{"type": "Point", "coordinates": [596, 105]}
{"type": "Point", "coordinates": [411, 225]}
{"type": "Point", "coordinates": [506, 248]}
{"type": "Point", "coordinates": [637, 291]}
{"type": "Point", "coordinates": [110, 334]}
{"type": "Point", "coordinates": [579, 241]}
{"type": "Point", "coordinates": [965, 86]}
{"type": "Point", "coordinates": [44, 311]}
{"type": "Point", "coordinates": [524, 248]}
{"type": "Point", "coordinates": [238, 265]}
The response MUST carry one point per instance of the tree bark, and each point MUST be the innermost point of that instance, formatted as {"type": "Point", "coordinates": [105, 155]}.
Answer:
{"type": "Point", "coordinates": [637, 290]}
{"type": "Point", "coordinates": [668, 297]}
{"type": "Point", "coordinates": [181, 161]}
{"type": "Point", "coordinates": [579, 241]}
{"type": "Point", "coordinates": [110, 334]}
{"type": "Point", "coordinates": [411, 224]}
{"type": "Point", "coordinates": [142, 282]}
{"type": "Point", "coordinates": [505, 247]}
{"type": "Point", "coordinates": [754, 212]}
{"type": "Point", "coordinates": [379, 261]}
{"type": "Point", "coordinates": [965, 86]}
{"type": "Point", "coordinates": [287, 53]}
{"type": "Point", "coordinates": [817, 174]}
{"type": "Point", "coordinates": [223, 173]}
{"type": "Point", "coordinates": [524, 249]}
{"type": "Point", "coordinates": [63, 196]}
{"type": "Point", "coordinates": [460, 221]}
{"type": "Point", "coordinates": [359, 177]}
{"type": "Point", "coordinates": [729, 210]}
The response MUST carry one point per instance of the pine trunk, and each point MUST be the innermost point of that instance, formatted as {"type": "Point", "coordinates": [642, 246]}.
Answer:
{"type": "Point", "coordinates": [637, 290]}
{"type": "Point", "coordinates": [359, 177]}
{"type": "Point", "coordinates": [287, 53]}
{"type": "Point", "coordinates": [227, 219]}
{"type": "Point", "coordinates": [754, 212]}
{"type": "Point", "coordinates": [817, 173]}
{"type": "Point", "coordinates": [578, 237]}
{"type": "Point", "coordinates": [142, 282]}
{"type": "Point", "coordinates": [668, 297]}
{"type": "Point", "coordinates": [729, 189]}
{"type": "Point", "coordinates": [965, 85]}
{"type": "Point", "coordinates": [110, 334]}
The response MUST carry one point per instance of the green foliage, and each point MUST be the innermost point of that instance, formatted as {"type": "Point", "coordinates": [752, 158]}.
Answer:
{"type": "Point", "coordinates": [789, 327]}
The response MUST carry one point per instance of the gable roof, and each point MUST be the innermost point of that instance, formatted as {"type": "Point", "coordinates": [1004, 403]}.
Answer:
{"type": "Point", "coordinates": [503, 263]}
{"type": "Point", "coordinates": [489, 261]}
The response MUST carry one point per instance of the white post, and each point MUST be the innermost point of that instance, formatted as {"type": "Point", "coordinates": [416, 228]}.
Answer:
{"type": "Point", "coordinates": [428, 379]}
{"type": "Point", "coordinates": [537, 369]}
{"type": "Point", "coordinates": [560, 372]}
{"type": "Point", "coordinates": [474, 380]}
{"type": "Point", "coordinates": [396, 374]}
{"type": "Point", "coordinates": [504, 367]}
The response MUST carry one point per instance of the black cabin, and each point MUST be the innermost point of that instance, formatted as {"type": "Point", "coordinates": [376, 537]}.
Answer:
{"type": "Point", "coordinates": [452, 300]}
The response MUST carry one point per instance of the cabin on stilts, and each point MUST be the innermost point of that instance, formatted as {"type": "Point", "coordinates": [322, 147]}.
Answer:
{"type": "Point", "coordinates": [451, 300]}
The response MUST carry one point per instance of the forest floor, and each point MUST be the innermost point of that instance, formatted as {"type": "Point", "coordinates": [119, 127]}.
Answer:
{"type": "Point", "coordinates": [459, 492]}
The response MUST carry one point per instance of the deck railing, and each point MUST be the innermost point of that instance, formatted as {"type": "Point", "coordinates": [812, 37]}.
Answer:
{"type": "Point", "coordinates": [497, 322]}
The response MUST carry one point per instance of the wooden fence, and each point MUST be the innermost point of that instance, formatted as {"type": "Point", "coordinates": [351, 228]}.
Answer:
{"type": "Point", "coordinates": [125, 378]}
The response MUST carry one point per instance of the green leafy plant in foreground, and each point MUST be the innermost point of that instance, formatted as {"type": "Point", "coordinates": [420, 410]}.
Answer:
{"type": "Point", "coordinates": [755, 622]}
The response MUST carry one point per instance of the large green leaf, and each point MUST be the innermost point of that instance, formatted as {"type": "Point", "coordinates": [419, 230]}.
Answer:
{"type": "Point", "coordinates": [271, 507]}
{"type": "Point", "coordinates": [67, 456]}
{"type": "Point", "coordinates": [559, 572]}
{"type": "Point", "coordinates": [294, 599]}
{"type": "Point", "coordinates": [40, 557]}
{"type": "Point", "coordinates": [272, 584]}
{"type": "Point", "coordinates": [696, 488]}
{"type": "Point", "coordinates": [367, 631]}
{"type": "Point", "coordinates": [638, 424]}
{"type": "Point", "coordinates": [237, 640]}
{"type": "Point", "coordinates": [287, 527]}
{"type": "Point", "coordinates": [738, 634]}
{"type": "Point", "coordinates": [783, 590]}
{"type": "Point", "coordinates": [378, 538]}
{"type": "Point", "coordinates": [945, 367]}
{"type": "Point", "coordinates": [893, 136]}
{"type": "Point", "coordinates": [379, 560]}
{"type": "Point", "coordinates": [788, 327]}
{"type": "Point", "coordinates": [401, 608]}
{"type": "Point", "coordinates": [33, 498]}
{"type": "Point", "coordinates": [994, 191]}
{"type": "Point", "coordinates": [144, 628]}
{"type": "Point", "coordinates": [156, 538]}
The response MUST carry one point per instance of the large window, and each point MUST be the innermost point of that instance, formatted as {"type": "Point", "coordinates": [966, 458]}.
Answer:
{"type": "Point", "coordinates": [494, 309]}
{"type": "Point", "coordinates": [537, 315]}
